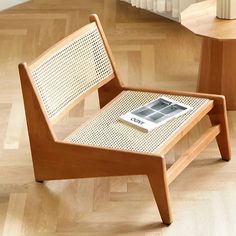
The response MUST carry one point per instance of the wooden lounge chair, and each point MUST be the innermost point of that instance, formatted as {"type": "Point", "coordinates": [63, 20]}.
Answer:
{"type": "Point", "coordinates": [77, 66]}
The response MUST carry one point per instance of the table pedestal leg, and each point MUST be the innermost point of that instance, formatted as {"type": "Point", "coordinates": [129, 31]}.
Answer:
{"type": "Point", "coordinates": [217, 71]}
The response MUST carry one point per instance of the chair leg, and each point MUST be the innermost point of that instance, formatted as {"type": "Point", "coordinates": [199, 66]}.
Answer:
{"type": "Point", "coordinates": [161, 194]}
{"type": "Point", "coordinates": [219, 116]}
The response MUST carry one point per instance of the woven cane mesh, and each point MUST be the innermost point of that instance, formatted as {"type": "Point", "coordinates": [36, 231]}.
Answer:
{"type": "Point", "coordinates": [105, 130]}
{"type": "Point", "coordinates": [71, 71]}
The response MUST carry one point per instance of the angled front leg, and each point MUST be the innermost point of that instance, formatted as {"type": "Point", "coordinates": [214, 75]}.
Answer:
{"type": "Point", "coordinates": [160, 191]}
{"type": "Point", "coordinates": [218, 115]}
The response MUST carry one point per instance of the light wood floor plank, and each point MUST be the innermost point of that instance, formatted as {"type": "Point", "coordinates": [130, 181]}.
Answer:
{"type": "Point", "coordinates": [15, 214]}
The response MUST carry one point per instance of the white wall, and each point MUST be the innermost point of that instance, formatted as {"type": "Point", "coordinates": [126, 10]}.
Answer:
{"type": "Point", "coordinates": [4, 4]}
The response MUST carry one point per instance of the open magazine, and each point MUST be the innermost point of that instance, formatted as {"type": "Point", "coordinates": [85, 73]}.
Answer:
{"type": "Point", "coordinates": [155, 113]}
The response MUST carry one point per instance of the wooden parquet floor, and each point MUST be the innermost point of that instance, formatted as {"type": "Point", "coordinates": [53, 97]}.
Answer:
{"type": "Point", "coordinates": [150, 51]}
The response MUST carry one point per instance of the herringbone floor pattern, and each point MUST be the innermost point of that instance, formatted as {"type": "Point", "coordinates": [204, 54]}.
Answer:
{"type": "Point", "coordinates": [149, 51]}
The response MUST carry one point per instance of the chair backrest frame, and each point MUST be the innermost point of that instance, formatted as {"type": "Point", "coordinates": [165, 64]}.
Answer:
{"type": "Point", "coordinates": [51, 52]}
{"type": "Point", "coordinates": [36, 114]}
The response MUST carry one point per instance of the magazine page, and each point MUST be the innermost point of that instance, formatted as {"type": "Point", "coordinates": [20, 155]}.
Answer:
{"type": "Point", "coordinates": [155, 113]}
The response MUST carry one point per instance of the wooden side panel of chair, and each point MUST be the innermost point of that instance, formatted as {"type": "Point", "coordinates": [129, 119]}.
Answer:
{"type": "Point", "coordinates": [68, 161]}
{"type": "Point", "coordinates": [40, 132]}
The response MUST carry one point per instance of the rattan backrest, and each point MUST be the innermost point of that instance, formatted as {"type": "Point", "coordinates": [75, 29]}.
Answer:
{"type": "Point", "coordinates": [72, 68]}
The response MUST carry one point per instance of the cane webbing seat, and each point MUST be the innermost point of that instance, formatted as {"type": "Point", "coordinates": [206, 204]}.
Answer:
{"type": "Point", "coordinates": [106, 130]}
{"type": "Point", "coordinates": [104, 146]}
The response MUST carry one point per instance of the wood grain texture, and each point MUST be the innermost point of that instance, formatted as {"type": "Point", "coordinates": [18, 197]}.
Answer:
{"type": "Point", "coordinates": [218, 53]}
{"type": "Point", "coordinates": [217, 69]}
{"type": "Point", "coordinates": [201, 195]}
{"type": "Point", "coordinates": [201, 19]}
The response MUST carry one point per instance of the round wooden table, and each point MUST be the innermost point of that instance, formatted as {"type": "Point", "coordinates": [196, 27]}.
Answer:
{"type": "Point", "coordinates": [217, 71]}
